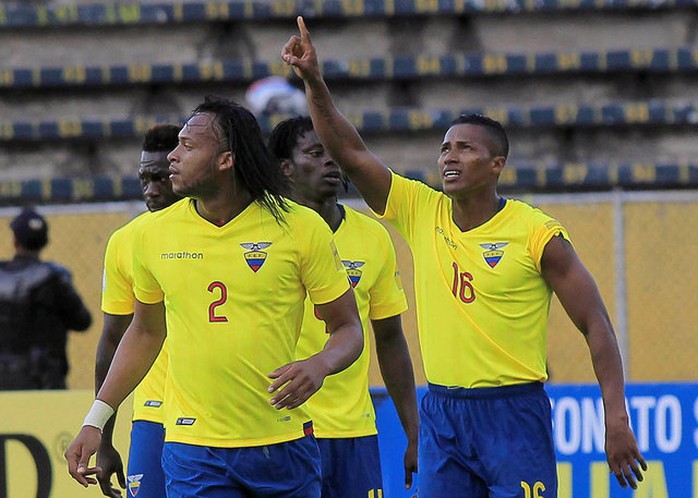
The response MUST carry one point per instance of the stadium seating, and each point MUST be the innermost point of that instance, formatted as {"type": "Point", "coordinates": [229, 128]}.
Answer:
{"type": "Point", "coordinates": [529, 177]}
{"type": "Point", "coordinates": [608, 98]}
{"type": "Point", "coordinates": [20, 15]}
{"type": "Point", "coordinates": [654, 60]}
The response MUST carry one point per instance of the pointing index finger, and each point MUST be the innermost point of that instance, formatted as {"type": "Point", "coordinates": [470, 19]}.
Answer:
{"type": "Point", "coordinates": [305, 35]}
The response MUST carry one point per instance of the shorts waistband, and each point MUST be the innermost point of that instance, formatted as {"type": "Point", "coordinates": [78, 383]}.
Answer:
{"type": "Point", "coordinates": [485, 392]}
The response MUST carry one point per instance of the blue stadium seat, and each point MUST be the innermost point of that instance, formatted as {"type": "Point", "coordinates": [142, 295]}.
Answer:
{"type": "Point", "coordinates": [378, 68]}
{"type": "Point", "coordinates": [524, 176]}
{"type": "Point", "coordinates": [654, 112]}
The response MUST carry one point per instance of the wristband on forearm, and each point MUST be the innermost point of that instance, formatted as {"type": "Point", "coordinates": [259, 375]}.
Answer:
{"type": "Point", "coordinates": [98, 415]}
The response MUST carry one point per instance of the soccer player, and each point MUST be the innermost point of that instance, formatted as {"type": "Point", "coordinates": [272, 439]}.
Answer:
{"type": "Point", "coordinates": [485, 269]}
{"type": "Point", "coordinates": [145, 476]}
{"type": "Point", "coordinates": [228, 270]}
{"type": "Point", "coordinates": [342, 411]}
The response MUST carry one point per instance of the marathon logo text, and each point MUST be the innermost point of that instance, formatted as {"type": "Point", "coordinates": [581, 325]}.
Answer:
{"type": "Point", "coordinates": [182, 255]}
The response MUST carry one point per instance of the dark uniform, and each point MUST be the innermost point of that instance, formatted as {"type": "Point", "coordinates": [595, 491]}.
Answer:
{"type": "Point", "coordinates": [38, 305]}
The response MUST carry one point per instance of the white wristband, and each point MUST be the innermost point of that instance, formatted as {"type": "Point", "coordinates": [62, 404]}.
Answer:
{"type": "Point", "coordinates": [98, 415]}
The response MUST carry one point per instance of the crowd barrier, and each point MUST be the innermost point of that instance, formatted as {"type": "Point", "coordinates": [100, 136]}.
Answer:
{"type": "Point", "coordinates": [37, 426]}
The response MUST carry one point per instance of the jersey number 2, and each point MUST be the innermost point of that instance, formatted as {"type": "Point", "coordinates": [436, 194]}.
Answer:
{"type": "Point", "coordinates": [212, 316]}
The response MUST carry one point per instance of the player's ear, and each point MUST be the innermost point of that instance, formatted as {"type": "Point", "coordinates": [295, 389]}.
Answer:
{"type": "Point", "coordinates": [226, 160]}
{"type": "Point", "coordinates": [498, 164]}
{"type": "Point", "coordinates": [287, 168]}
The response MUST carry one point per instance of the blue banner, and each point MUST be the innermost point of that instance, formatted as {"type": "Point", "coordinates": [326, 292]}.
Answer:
{"type": "Point", "coordinates": [663, 416]}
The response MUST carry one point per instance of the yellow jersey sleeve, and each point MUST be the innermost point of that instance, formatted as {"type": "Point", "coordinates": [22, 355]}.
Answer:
{"type": "Point", "coordinates": [117, 281]}
{"type": "Point", "coordinates": [118, 299]}
{"type": "Point", "coordinates": [544, 229]}
{"type": "Point", "coordinates": [387, 295]}
{"type": "Point", "coordinates": [145, 287]}
{"type": "Point", "coordinates": [321, 258]}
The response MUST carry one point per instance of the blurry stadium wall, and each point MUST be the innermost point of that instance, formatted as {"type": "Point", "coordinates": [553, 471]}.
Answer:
{"type": "Point", "coordinates": [634, 243]}
{"type": "Point", "coordinates": [35, 432]}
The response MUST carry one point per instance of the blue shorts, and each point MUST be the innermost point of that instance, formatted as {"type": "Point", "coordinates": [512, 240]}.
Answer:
{"type": "Point", "coordinates": [145, 476]}
{"type": "Point", "coordinates": [284, 470]}
{"type": "Point", "coordinates": [486, 443]}
{"type": "Point", "coordinates": [351, 467]}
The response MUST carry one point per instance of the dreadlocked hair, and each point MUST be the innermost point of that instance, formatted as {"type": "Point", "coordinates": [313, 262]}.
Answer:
{"type": "Point", "coordinates": [256, 168]}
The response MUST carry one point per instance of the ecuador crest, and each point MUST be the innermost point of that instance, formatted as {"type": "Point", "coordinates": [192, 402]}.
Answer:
{"type": "Point", "coordinates": [134, 484]}
{"type": "Point", "coordinates": [353, 271]}
{"type": "Point", "coordinates": [493, 253]}
{"type": "Point", "coordinates": [255, 255]}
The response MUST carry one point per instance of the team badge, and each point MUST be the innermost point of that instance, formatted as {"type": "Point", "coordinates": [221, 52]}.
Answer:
{"type": "Point", "coordinates": [353, 271]}
{"type": "Point", "coordinates": [492, 253]}
{"type": "Point", "coordinates": [255, 255]}
{"type": "Point", "coordinates": [134, 484]}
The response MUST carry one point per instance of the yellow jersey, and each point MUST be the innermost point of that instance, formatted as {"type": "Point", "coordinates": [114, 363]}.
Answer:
{"type": "Point", "coordinates": [342, 408]}
{"type": "Point", "coordinates": [118, 299]}
{"type": "Point", "coordinates": [234, 299]}
{"type": "Point", "coordinates": [482, 304]}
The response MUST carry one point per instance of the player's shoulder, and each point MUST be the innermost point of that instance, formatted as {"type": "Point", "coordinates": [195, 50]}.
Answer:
{"type": "Point", "coordinates": [415, 187]}
{"type": "Point", "coordinates": [362, 222]}
{"type": "Point", "coordinates": [126, 232]}
{"type": "Point", "coordinates": [297, 215]}
{"type": "Point", "coordinates": [177, 208]}
{"type": "Point", "coordinates": [149, 221]}
{"type": "Point", "coordinates": [128, 227]}
{"type": "Point", "coordinates": [528, 213]}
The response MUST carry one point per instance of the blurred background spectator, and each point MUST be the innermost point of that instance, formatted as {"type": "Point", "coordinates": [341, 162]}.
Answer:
{"type": "Point", "coordinates": [275, 95]}
{"type": "Point", "coordinates": [38, 305]}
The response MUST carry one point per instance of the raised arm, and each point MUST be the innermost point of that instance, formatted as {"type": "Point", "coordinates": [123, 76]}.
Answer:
{"type": "Point", "coordinates": [396, 368]}
{"type": "Point", "coordinates": [580, 297]}
{"type": "Point", "coordinates": [344, 144]}
{"type": "Point", "coordinates": [301, 379]}
{"type": "Point", "coordinates": [137, 351]}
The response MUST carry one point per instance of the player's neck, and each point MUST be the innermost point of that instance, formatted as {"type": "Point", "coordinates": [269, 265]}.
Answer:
{"type": "Point", "coordinates": [327, 208]}
{"type": "Point", "coordinates": [220, 209]}
{"type": "Point", "coordinates": [330, 212]}
{"type": "Point", "coordinates": [471, 212]}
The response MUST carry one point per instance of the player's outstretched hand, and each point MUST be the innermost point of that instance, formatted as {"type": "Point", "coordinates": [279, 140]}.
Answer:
{"type": "Point", "coordinates": [298, 381]}
{"type": "Point", "coordinates": [109, 461]}
{"type": "Point", "coordinates": [79, 452]}
{"type": "Point", "coordinates": [624, 457]}
{"type": "Point", "coordinates": [299, 53]}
